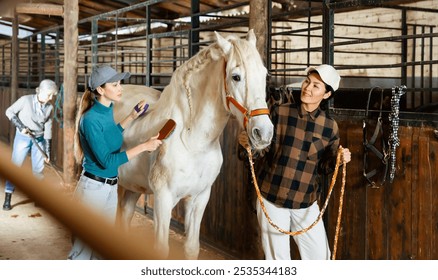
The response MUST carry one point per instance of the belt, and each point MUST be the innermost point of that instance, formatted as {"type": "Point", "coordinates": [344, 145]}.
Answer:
{"type": "Point", "coordinates": [109, 181]}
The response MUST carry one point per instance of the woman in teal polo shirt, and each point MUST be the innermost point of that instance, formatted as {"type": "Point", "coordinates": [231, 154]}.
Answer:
{"type": "Point", "coordinates": [98, 142]}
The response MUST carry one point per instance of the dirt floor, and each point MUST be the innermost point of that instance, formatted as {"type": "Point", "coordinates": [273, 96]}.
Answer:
{"type": "Point", "coordinates": [28, 232]}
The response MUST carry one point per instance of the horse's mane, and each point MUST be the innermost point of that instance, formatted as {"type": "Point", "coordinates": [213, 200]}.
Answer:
{"type": "Point", "coordinates": [202, 58]}
{"type": "Point", "coordinates": [196, 63]}
{"type": "Point", "coordinates": [193, 65]}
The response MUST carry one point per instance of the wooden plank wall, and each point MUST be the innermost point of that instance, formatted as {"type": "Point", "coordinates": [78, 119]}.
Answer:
{"type": "Point", "coordinates": [395, 221]}
{"type": "Point", "coordinates": [5, 102]}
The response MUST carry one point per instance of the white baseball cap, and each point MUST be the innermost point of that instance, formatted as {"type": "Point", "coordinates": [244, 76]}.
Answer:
{"type": "Point", "coordinates": [47, 88]}
{"type": "Point", "coordinates": [328, 75]}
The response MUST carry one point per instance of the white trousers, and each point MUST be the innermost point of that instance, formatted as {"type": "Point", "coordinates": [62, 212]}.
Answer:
{"type": "Point", "coordinates": [313, 244]}
{"type": "Point", "coordinates": [100, 197]}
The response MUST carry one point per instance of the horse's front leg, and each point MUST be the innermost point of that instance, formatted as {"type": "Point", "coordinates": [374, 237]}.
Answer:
{"type": "Point", "coordinates": [195, 207]}
{"type": "Point", "coordinates": [163, 204]}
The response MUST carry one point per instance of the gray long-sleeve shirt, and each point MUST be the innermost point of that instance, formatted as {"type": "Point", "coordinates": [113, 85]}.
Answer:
{"type": "Point", "coordinates": [34, 115]}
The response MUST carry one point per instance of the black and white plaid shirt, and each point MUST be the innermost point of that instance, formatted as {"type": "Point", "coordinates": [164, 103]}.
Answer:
{"type": "Point", "coordinates": [304, 145]}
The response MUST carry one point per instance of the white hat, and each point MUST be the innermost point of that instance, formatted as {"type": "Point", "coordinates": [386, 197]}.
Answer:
{"type": "Point", "coordinates": [328, 75]}
{"type": "Point", "coordinates": [47, 87]}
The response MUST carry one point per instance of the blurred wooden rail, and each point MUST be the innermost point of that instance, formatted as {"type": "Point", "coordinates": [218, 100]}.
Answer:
{"type": "Point", "coordinates": [110, 241]}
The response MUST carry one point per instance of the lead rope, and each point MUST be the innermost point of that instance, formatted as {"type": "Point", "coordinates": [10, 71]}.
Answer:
{"type": "Point", "coordinates": [394, 141]}
{"type": "Point", "coordinates": [341, 199]}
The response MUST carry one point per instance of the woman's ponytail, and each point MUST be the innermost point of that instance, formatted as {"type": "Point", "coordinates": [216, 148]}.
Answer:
{"type": "Point", "coordinates": [85, 104]}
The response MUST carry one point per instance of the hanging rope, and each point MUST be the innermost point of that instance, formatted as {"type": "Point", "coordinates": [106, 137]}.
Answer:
{"type": "Point", "coordinates": [333, 181]}
{"type": "Point", "coordinates": [58, 106]}
{"type": "Point", "coordinates": [394, 141]}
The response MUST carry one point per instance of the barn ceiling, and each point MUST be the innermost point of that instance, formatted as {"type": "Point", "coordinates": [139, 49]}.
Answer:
{"type": "Point", "coordinates": [165, 10]}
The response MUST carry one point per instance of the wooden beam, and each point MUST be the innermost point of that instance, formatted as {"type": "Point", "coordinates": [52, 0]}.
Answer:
{"type": "Point", "coordinates": [40, 9]}
{"type": "Point", "coordinates": [258, 20]}
{"type": "Point", "coordinates": [71, 19]}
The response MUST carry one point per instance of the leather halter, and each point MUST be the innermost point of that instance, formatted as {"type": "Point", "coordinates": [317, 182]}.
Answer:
{"type": "Point", "coordinates": [369, 146]}
{"type": "Point", "coordinates": [245, 112]}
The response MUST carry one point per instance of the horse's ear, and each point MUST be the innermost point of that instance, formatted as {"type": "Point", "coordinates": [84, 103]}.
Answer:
{"type": "Point", "coordinates": [250, 36]}
{"type": "Point", "coordinates": [223, 43]}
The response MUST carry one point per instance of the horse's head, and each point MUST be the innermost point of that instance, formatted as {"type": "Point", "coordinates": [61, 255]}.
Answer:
{"type": "Point", "coordinates": [245, 87]}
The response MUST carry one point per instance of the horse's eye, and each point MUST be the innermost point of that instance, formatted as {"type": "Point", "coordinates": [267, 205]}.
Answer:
{"type": "Point", "coordinates": [236, 77]}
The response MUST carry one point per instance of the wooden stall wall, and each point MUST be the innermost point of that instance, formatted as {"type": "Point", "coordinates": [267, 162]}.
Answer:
{"type": "Point", "coordinates": [5, 100]}
{"type": "Point", "coordinates": [398, 220]}
{"type": "Point", "coordinates": [5, 97]}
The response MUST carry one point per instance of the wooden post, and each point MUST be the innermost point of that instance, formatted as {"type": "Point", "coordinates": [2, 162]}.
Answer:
{"type": "Point", "coordinates": [258, 20]}
{"type": "Point", "coordinates": [71, 16]}
{"type": "Point", "coordinates": [14, 69]}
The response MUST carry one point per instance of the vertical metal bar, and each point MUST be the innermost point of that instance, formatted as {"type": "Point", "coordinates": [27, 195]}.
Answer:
{"type": "Point", "coordinates": [284, 61]}
{"type": "Point", "coordinates": [116, 37]}
{"type": "Point", "coordinates": [3, 65]}
{"type": "Point", "coordinates": [42, 61]}
{"type": "Point", "coordinates": [328, 28]}
{"type": "Point", "coordinates": [423, 97]}
{"type": "Point", "coordinates": [194, 32]}
{"type": "Point", "coordinates": [148, 48]}
{"type": "Point", "coordinates": [57, 59]}
{"type": "Point", "coordinates": [94, 47]}
{"type": "Point", "coordinates": [414, 30]}
{"type": "Point", "coordinates": [269, 37]}
{"type": "Point", "coordinates": [29, 63]}
{"type": "Point", "coordinates": [431, 64]}
{"type": "Point", "coordinates": [327, 33]}
{"type": "Point", "coordinates": [122, 59]}
{"type": "Point", "coordinates": [309, 19]}
{"type": "Point", "coordinates": [15, 60]}
{"type": "Point", "coordinates": [404, 54]}
{"type": "Point", "coordinates": [136, 66]}
{"type": "Point", "coordinates": [275, 66]}
{"type": "Point", "coordinates": [175, 52]}
{"type": "Point", "coordinates": [85, 64]}
{"type": "Point", "coordinates": [34, 51]}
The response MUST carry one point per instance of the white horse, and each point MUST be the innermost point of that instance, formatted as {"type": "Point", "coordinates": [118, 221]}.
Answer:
{"type": "Point", "coordinates": [226, 78]}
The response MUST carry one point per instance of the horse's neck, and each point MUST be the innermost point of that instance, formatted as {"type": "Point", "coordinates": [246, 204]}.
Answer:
{"type": "Point", "coordinates": [206, 117]}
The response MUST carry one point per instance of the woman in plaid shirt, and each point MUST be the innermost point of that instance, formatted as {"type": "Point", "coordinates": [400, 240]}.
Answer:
{"type": "Point", "coordinates": [305, 144]}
